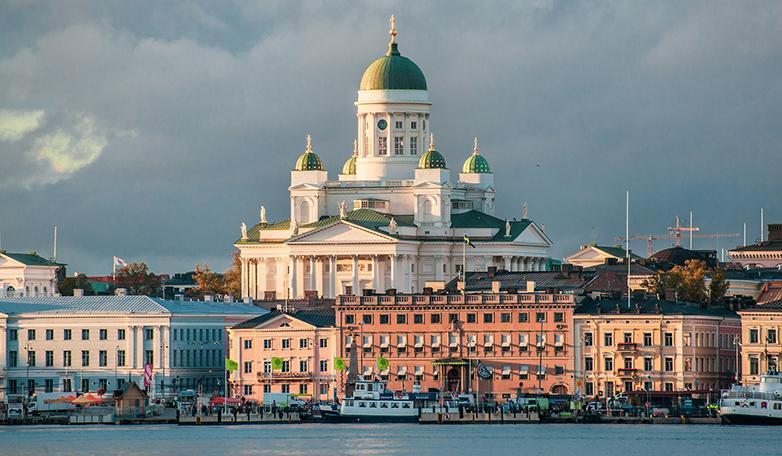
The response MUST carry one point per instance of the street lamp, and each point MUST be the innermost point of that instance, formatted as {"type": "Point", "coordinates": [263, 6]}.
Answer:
{"type": "Point", "coordinates": [541, 347]}
{"type": "Point", "coordinates": [27, 355]}
{"type": "Point", "coordinates": [116, 364]}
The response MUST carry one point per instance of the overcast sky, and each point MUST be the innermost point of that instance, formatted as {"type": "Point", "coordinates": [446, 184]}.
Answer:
{"type": "Point", "coordinates": [151, 130]}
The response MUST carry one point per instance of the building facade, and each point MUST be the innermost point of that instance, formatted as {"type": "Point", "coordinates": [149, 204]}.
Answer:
{"type": "Point", "coordinates": [595, 255]}
{"type": "Point", "coordinates": [306, 343]}
{"type": "Point", "coordinates": [393, 218]}
{"type": "Point", "coordinates": [28, 274]}
{"type": "Point", "coordinates": [51, 344]}
{"type": "Point", "coordinates": [436, 341]}
{"type": "Point", "coordinates": [763, 254]}
{"type": "Point", "coordinates": [653, 346]}
{"type": "Point", "coordinates": [760, 345]}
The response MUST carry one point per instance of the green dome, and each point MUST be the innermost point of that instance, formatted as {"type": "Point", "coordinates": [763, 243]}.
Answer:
{"type": "Point", "coordinates": [349, 168]}
{"type": "Point", "coordinates": [309, 160]}
{"type": "Point", "coordinates": [432, 159]}
{"type": "Point", "coordinates": [392, 71]}
{"type": "Point", "coordinates": [476, 163]}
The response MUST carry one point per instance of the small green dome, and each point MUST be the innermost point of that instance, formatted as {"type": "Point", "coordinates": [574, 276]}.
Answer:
{"type": "Point", "coordinates": [476, 163]}
{"type": "Point", "coordinates": [432, 159]}
{"type": "Point", "coordinates": [309, 160]}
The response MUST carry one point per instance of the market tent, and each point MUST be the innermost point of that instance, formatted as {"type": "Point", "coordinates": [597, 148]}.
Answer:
{"type": "Point", "coordinates": [86, 399]}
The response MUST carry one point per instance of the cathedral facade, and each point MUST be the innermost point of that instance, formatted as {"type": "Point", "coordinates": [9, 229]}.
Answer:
{"type": "Point", "coordinates": [393, 218]}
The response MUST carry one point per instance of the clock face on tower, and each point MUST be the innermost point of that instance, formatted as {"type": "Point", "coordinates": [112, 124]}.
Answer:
{"type": "Point", "coordinates": [382, 124]}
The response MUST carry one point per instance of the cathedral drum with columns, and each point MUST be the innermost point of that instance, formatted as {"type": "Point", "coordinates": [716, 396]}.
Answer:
{"type": "Point", "coordinates": [393, 219]}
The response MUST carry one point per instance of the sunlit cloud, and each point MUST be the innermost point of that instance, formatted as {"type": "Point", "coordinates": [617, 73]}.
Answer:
{"type": "Point", "coordinates": [15, 125]}
{"type": "Point", "coordinates": [67, 151]}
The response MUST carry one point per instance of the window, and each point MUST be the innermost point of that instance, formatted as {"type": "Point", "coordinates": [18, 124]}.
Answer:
{"type": "Point", "coordinates": [588, 339]}
{"type": "Point", "coordinates": [669, 339]}
{"type": "Point", "coordinates": [648, 364]}
{"type": "Point", "coordinates": [588, 364]}
{"type": "Point", "coordinates": [102, 358]}
{"type": "Point", "coordinates": [303, 388]}
{"type": "Point", "coordinates": [13, 358]}
{"type": "Point", "coordinates": [121, 358]}
{"type": "Point", "coordinates": [13, 334]}
{"type": "Point", "coordinates": [398, 145]}
{"type": "Point", "coordinates": [49, 334]}
{"type": "Point", "coordinates": [85, 358]}
{"type": "Point", "coordinates": [559, 317]}
{"type": "Point", "coordinates": [472, 318]}
{"type": "Point", "coordinates": [120, 334]}
{"type": "Point", "coordinates": [771, 336]}
{"type": "Point", "coordinates": [267, 388]}
{"type": "Point", "coordinates": [628, 338]}
{"type": "Point", "coordinates": [49, 385]}
{"type": "Point", "coordinates": [49, 358]}
{"type": "Point", "coordinates": [85, 384]}
{"type": "Point", "coordinates": [286, 366]}
{"type": "Point", "coordinates": [418, 319]}
{"type": "Point", "coordinates": [413, 145]}
{"type": "Point", "coordinates": [559, 370]}
{"type": "Point", "coordinates": [609, 364]}
{"type": "Point", "coordinates": [754, 336]}
{"type": "Point", "coordinates": [647, 339]}
{"type": "Point", "coordinates": [103, 334]}
{"type": "Point", "coordinates": [589, 389]}
{"type": "Point", "coordinates": [754, 365]}
{"type": "Point", "coordinates": [668, 386]}
{"type": "Point", "coordinates": [628, 362]}
{"type": "Point", "coordinates": [435, 318]}
{"type": "Point", "coordinates": [488, 317]}
{"type": "Point", "coordinates": [148, 334]}
{"type": "Point", "coordinates": [31, 358]}
{"type": "Point", "coordinates": [248, 390]}
{"type": "Point", "coordinates": [85, 334]}
{"type": "Point", "coordinates": [67, 334]}
{"type": "Point", "coordinates": [285, 388]}
{"type": "Point", "coordinates": [668, 364]}
{"type": "Point", "coordinates": [30, 334]}
{"type": "Point", "coordinates": [401, 319]}
{"type": "Point", "coordinates": [324, 389]}
{"type": "Point", "coordinates": [398, 125]}
{"type": "Point", "coordinates": [505, 318]}
{"type": "Point", "coordinates": [267, 344]}
{"type": "Point", "coordinates": [540, 317]}
{"type": "Point", "coordinates": [324, 365]}
{"type": "Point", "coordinates": [149, 357]}
{"type": "Point", "coordinates": [382, 146]}
{"type": "Point", "coordinates": [303, 367]}
{"type": "Point", "coordinates": [350, 319]}
{"type": "Point", "coordinates": [384, 319]}
{"type": "Point", "coordinates": [267, 366]}
{"type": "Point", "coordinates": [366, 319]}
{"type": "Point", "coordinates": [324, 343]}
{"type": "Point", "coordinates": [248, 367]}
{"type": "Point", "coordinates": [286, 343]}
{"type": "Point", "coordinates": [66, 358]}
{"type": "Point", "coordinates": [523, 317]}
{"type": "Point", "coordinates": [248, 344]}
{"type": "Point", "coordinates": [608, 339]}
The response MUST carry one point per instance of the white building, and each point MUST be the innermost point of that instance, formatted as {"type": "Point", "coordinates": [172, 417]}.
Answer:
{"type": "Point", "coordinates": [393, 218]}
{"type": "Point", "coordinates": [27, 274]}
{"type": "Point", "coordinates": [89, 343]}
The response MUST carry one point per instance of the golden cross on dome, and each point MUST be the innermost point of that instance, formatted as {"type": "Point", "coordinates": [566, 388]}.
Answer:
{"type": "Point", "coordinates": [392, 32]}
{"type": "Point", "coordinates": [309, 143]}
{"type": "Point", "coordinates": [431, 141]}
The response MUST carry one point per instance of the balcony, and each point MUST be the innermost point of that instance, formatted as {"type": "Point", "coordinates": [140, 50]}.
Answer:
{"type": "Point", "coordinates": [285, 375]}
{"type": "Point", "coordinates": [627, 372]}
{"type": "Point", "coordinates": [626, 346]}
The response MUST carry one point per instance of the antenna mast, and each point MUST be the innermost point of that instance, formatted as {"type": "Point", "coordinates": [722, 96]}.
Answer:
{"type": "Point", "coordinates": [54, 247]}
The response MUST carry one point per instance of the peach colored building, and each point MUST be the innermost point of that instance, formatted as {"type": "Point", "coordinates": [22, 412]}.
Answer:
{"type": "Point", "coordinates": [761, 348]}
{"type": "Point", "coordinates": [524, 341]}
{"type": "Point", "coordinates": [653, 346]}
{"type": "Point", "coordinates": [305, 340]}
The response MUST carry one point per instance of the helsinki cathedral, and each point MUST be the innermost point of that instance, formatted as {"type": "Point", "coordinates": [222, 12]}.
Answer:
{"type": "Point", "coordinates": [393, 218]}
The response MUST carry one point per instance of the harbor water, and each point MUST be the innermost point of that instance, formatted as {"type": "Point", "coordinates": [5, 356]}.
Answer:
{"type": "Point", "coordinates": [391, 439]}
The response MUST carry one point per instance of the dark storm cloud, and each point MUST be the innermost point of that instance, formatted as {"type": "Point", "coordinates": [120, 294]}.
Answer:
{"type": "Point", "coordinates": [201, 108]}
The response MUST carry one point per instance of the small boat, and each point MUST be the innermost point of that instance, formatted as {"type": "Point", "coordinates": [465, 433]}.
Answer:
{"type": "Point", "coordinates": [754, 404]}
{"type": "Point", "coordinates": [373, 403]}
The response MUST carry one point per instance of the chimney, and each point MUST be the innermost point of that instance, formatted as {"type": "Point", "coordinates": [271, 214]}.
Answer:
{"type": "Point", "coordinates": [78, 292]}
{"type": "Point", "coordinates": [121, 292]}
{"type": "Point", "coordinates": [391, 292]}
{"type": "Point", "coordinates": [774, 232]}
{"type": "Point", "coordinates": [179, 297]}
{"type": "Point", "coordinates": [367, 292]}
{"type": "Point", "coordinates": [496, 286]}
{"type": "Point", "coordinates": [530, 286]}
{"type": "Point", "coordinates": [670, 295]}
{"type": "Point", "coordinates": [428, 291]}
{"type": "Point", "coordinates": [566, 268]}
{"type": "Point", "coordinates": [491, 271]}
{"type": "Point", "coordinates": [610, 261]}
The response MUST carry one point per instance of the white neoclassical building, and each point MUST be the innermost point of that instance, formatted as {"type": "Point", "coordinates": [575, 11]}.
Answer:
{"type": "Point", "coordinates": [393, 218]}
{"type": "Point", "coordinates": [27, 274]}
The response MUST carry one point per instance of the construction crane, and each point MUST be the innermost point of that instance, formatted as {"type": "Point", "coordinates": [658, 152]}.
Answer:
{"type": "Point", "coordinates": [649, 238]}
{"type": "Point", "coordinates": [675, 233]}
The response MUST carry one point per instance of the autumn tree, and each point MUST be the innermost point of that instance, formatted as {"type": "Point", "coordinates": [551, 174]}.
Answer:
{"type": "Point", "coordinates": [207, 281]}
{"type": "Point", "coordinates": [718, 287]}
{"type": "Point", "coordinates": [136, 278]}
{"type": "Point", "coordinates": [689, 283]}
{"type": "Point", "coordinates": [232, 277]}
{"type": "Point", "coordinates": [68, 284]}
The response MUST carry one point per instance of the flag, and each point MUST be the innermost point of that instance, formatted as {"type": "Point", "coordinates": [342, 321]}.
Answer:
{"type": "Point", "coordinates": [483, 372]}
{"type": "Point", "coordinates": [231, 365]}
{"type": "Point", "coordinates": [276, 363]}
{"type": "Point", "coordinates": [339, 364]}
{"type": "Point", "coordinates": [119, 262]}
{"type": "Point", "coordinates": [382, 364]}
{"type": "Point", "coordinates": [468, 242]}
{"type": "Point", "coordinates": [148, 375]}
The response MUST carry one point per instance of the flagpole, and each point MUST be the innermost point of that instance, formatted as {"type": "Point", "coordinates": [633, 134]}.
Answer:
{"type": "Point", "coordinates": [464, 270]}
{"type": "Point", "coordinates": [225, 399]}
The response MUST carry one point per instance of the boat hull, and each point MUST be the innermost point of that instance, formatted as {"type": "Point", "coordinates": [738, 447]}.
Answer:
{"type": "Point", "coordinates": [747, 419]}
{"type": "Point", "coordinates": [335, 417]}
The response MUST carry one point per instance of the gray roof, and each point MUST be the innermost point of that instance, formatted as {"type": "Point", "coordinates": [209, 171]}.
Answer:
{"type": "Point", "coordinates": [121, 305]}
{"type": "Point", "coordinates": [614, 306]}
{"type": "Point", "coordinates": [321, 318]}
{"type": "Point", "coordinates": [481, 281]}
{"type": "Point", "coordinates": [635, 269]}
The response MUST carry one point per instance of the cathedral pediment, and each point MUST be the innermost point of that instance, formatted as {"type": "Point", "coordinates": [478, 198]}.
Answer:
{"type": "Point", "coordinates": [533, 235]}
{"type": "Point", "coordinates": [342, 232]}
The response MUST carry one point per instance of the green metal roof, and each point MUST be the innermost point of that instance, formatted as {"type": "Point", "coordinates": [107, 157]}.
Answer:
{"type": "Point", "coordinates": [309, 161]}
{"type": "Point", "coordinates": [476, 163]}
{"type": "Point", "coordinates": [30, 259]}
{"type": "Point", "coordinates": [392, 71]}
{"type": "Point", "coordinates": [432, 160]}
{"type": "Point", "coordinates": [478, 219]}
{"type": "Point", "coordinates": [618, 252]}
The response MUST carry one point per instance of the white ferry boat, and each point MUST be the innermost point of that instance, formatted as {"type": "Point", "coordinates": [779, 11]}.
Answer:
{"type": "Point", "coordinates": [755, 404]}
{"type": "Point", "coordinates": [373, 403]}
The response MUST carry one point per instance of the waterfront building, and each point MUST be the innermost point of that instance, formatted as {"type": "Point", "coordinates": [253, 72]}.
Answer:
{"type": "Point", "coordinates": [762, 254]}
{"type": "Point", "coordinates": [653, 346]}
{"type": "Point", "coordinates": [28, 274]}
{"type": "Point", "coordinates": [567, 280]}
{"type": "Point", "coordinates": [666, 259]}
{"type": "Point", "coordinates": [761, 348]}
{"type": "Point", "coordinates": [593, 255]}
{"type": "Point", "coordinates": [50, 344]}
{"type": "Point", "coordinates": [393, 218]}
{"type": "Point", "coordinates": [524, 340]}
{"type": "Point", "coordinates": [304, 341]}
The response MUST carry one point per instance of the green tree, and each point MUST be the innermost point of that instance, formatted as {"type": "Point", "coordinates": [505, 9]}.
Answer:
{"type": "Point", "coordinates": [68, 284]}
{"type": "Point", "coordinates": [718, 287]}
{"type": "Point", "coordinates": [137, 279]}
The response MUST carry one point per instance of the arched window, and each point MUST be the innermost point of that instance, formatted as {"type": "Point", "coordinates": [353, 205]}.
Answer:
{"type": "Point", "coordinates": [10, 291]}
{"type": "Point", "coordinates": [305, 211]}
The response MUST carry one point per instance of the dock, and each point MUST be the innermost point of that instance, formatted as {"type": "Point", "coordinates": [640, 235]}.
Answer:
{"type": "Point", "coordinates": [498, 417]}
{"type": "Point", "coordinates": [240, 418]}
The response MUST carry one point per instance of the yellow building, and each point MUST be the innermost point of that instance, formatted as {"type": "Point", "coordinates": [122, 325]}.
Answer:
{"type": "Point", "coordinates": [760, 346]}
{"type": "Point", "coordinates": [653, 346]}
